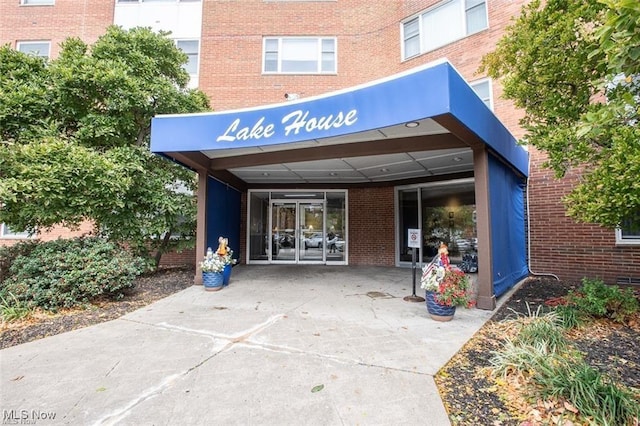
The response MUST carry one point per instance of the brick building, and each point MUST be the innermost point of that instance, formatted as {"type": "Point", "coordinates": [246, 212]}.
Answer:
{"type": "Point", "coordinates": [251, 53]}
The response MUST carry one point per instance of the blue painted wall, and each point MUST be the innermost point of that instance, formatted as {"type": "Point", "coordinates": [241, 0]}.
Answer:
{"type": "Point", "coordinates": [223, 215]}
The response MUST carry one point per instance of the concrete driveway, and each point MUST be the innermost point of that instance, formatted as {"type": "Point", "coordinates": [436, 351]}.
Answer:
{"type": "Point", "coordinates": [282, 345]}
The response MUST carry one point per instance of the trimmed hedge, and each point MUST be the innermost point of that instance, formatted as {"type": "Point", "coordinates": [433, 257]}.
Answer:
{"type": "Point", "coordinates": [66, 272]}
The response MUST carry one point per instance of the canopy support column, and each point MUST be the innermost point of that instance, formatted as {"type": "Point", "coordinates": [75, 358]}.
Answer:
{"type": "Point", "coordinates": [486, 298]}
{"type": "Point", "coordinates": [201, 224]}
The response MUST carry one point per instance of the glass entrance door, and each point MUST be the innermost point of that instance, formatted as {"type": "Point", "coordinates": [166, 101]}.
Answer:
{"type": "Point", "coordinates": [283, 231]}
{"type": "Point", "coordinates": [297, 232]}
{"type": "Point", "coordinates": [312, 237]}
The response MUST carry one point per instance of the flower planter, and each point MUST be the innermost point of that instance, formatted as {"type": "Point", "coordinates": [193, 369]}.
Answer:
{"type": "Point", "coordinates": [212, 281]}
{"type": "Point", "coordinates": [437, 311]}
{"type": "Point", "coordinates": [226, 275]}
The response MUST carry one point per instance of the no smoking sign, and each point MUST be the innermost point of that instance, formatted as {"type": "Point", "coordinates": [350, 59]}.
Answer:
{"type": "Point", "coordinates": [414, 238]}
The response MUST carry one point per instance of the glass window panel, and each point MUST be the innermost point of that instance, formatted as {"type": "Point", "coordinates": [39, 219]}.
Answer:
{"type": "Point", "coordinates": [40, 48]}
{"type": "Point", "coordinates": [259, 226]}
{"type": "Point", "coordinates": [190, 47]}
{"type": "Point", "coordinates": [5, 231]}
{"type": "Point", "coordinates": [630, 229]}
{"type": "Point", "coordinates": [476, 17]}
{"type": "Point", "coordinates": [299, 49]}
{"type": "Point", "coordinates": [483, 90]}
{"type": "Point", "coordinates": [411, 38]}
{"type": "Point", "coordinates": [408, 219]}
{"type": "Point", "coordinates": [299, 55]}
{"type": "Point", "coordinates": [271, 45]}
{"type": "Point", "coordinates": [443, 25]}
{"type": "Point", "coordinates": [336, 226]}
{"type": "Point", "coordinates": [328, 62]}
{"type": "Point", "coordinates": [328, 45]}
{"type": "Point", "coordinates": [38, 2]}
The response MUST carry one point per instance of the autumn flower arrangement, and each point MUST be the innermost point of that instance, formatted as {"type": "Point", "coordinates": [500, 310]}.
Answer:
{"type": "Point", "coordinates": [218, 260]}
{"type": "Point", "coordinates": [451, 286]}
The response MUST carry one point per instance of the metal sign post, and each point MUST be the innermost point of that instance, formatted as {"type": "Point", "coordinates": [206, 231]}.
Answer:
{"type": "Point", "coordinates": [414, 237]}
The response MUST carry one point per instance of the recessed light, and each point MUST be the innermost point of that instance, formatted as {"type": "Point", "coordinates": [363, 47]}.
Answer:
{"type": "Point", "coordinates": [333, 174]}
{"type": "Point", "coordinates": [265, 174]}
{"type": "Point", "coordinates": [412, 124]}
{"type": "Point", "coordinates": [384, 170]}
{"type": "Point", "coordinates": [457, 159]}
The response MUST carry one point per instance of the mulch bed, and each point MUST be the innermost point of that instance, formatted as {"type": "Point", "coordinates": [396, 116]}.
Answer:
{"type": "Point", "coordinates": [473, 399]}
{"type": "Point", "coordinates": [469, 396]}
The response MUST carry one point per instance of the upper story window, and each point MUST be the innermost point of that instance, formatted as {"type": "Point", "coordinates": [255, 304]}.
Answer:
{"type": "Point", "coordinates": [36, 48]}
{"type": "Point", "coordinates": [191, 48]}
{"type": "Point", "coordinates": [483, 90]}
{"type": "Point", "coordinates": [5, 232]}
{"type": "Point", "coordinates": [448, 21]}
{"type": "Point", "coordinates": [629, 231]}
{"type": "Point", "coordinates": [37, 2]}
{"type": "Point", "coordinates": [299, 55]}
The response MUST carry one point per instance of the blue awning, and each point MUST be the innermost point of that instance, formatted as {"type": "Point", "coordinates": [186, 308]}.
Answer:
{"type": "Point", "coordinates": [433, 90]}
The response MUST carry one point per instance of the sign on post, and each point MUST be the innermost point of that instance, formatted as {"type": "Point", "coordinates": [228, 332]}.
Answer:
{"type": "Point", "coordinates": [414, 238]}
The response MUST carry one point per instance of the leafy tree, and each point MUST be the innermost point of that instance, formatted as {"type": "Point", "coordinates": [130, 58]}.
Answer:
{"type": "Point", "coordinates": [572, 66]}
{"type": "Point", "coordinates": [75, 139]}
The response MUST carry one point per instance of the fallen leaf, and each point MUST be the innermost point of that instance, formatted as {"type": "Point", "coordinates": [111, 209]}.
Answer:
{"type": "Point", "coordinates": [570, 407]}
{"type": "Point", "coordinates": [317, 388]}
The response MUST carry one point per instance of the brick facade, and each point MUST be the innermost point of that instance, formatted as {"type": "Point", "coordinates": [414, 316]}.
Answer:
{"type": "Point", "coordinates": [86, 19]}
{"type": "Point", "coordinates": [565, 248]}
{"type": "Point", "coordinates": [368, 47]}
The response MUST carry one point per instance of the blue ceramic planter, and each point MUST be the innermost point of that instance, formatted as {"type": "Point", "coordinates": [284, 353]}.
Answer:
{"type": "Point", "coordinates": [212, 281]}
{"type": "Point", "coordinates": [438, 312]}
{"type": "Point", "coordinates": [226, 275]}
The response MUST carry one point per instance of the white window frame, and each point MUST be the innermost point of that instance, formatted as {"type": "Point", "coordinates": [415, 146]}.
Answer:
{"type": "Point", "coordinates": [37, 2]}
{"type": "Point", "coordinates": [621, 240]}
{"type": "Point", "coordinates": [489, 101]}
{"type": "Point", "coordinates": [19, 44]}
{"type": "Point", "coordinates": [319, 54]}
{"type": "Point", "coordinates": [434, 9]}
{"type": "Point", "coordinates": [197, 54]}
{"type": "Point", "coordinates": [7, 233]}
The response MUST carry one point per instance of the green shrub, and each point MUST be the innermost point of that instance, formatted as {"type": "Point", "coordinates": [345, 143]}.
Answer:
{"type": "Point", "coordinates": [593, 394]}
{"type": "Point", "coordinates": [12, 309]}
{"type": "Point", "coordinates": [546, 329]}
{"type": "Point", "coordinates": [598, 300]}
{"type": "Point", "coordinates": [540, 351]}
{"type": "Point", "coordinates": [569, 316]}
{"type": "Point", "coordinates": [10, 253]}
{"type": "Point", "coordinates": [66, 273]}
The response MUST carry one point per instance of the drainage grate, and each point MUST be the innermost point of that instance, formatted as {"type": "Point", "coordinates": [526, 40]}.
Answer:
{"type": "Point", "coordinates": [628, 280]}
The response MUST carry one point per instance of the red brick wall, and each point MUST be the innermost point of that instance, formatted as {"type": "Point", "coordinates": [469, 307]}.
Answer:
{"type": "Point", "coordinates": [368, 46]}
{"type": "Point", "coordinates": [87, 19]}
{"type": "Point", "coordinates": [179, 259]}
{"type": "Point", "coordinates": [371, 226]}
{"type": "Point", "coordinates": [563, 247]}
{"type": "Point", "coordinates": [53, 234]}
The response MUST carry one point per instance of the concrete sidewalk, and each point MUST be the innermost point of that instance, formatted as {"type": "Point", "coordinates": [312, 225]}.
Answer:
{"type": "Point", "coordinates": [282, 345]}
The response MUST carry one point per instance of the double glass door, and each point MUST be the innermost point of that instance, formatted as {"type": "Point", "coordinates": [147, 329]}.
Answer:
{"type": "Point", "coordinates": [297, 231]}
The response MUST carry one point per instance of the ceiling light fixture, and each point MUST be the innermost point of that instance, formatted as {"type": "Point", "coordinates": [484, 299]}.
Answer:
{"type": "Point", "coordinates": [333, 174]}
{"type": "Point", "coordinates": [457, 159]}
{"type": "Point", "coordinates": [412, 124]}
{"type": "Point", "coordinates": [384, 170]}
{"type": "Point", "coordinates": [265, 174]}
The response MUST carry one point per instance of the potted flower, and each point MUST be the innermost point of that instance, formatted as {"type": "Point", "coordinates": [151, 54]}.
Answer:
{"type": "Point", "coordinates": [225, 252]}
{"type": "Point", "coordinates": [446, 287]}
{"type": "Point", "coordinates": [212, 268]}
